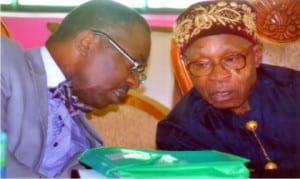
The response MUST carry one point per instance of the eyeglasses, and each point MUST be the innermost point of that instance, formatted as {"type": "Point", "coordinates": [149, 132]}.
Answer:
{"type": "Point", "coordinates": [203, 67]}
{"type": "Point", "coordinates": [136, 66]}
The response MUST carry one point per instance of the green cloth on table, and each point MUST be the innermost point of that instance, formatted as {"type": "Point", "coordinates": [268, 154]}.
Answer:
{"type": "Point", "coordinates": [118, 162]}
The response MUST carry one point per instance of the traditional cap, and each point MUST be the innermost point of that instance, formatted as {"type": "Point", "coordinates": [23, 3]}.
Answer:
{"type": "Point", "coordinates": [215, 17]}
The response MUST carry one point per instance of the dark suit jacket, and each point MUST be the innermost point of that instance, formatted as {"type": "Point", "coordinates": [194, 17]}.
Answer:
{"type": "Point", "coordinates": [194, 124]}
{"type": "Point", "coordinates": [24, 111]}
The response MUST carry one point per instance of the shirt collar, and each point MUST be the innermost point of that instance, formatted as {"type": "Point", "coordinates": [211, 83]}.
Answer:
{"type": "Point", "coordinates": [53, 72]}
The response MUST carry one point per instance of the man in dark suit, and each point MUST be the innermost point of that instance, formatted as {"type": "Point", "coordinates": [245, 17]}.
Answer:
{"type": "Point", "coordinates": [237, 105]}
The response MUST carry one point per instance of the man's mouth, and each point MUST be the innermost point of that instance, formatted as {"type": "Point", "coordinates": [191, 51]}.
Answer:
{"type": "Point", "coordinates": [221, 96]}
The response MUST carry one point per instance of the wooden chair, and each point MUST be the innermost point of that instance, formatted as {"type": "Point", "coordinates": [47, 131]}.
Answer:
{"type": "Point", "coordinates": [278, 20]}
{"type": "Point", "coordinates": [181, 74]}
{"type": "Point", "coordinates": [131, 124]}
{"type": "Point", "coordinates": [278, 27]}
{"type": "Point", "coordinates": [4, 29]}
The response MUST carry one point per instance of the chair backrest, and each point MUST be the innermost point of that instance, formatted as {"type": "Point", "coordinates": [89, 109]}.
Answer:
{"type": "Point", "coordinates": [181, 74]}
{"type": "Point", "coordinates": [147, 104]}
{"type": "Point", "coordinates": [131, 124]}
{"type": "Point", "coordinates": [279, 31]}
{"type": "Point", "coordinates": [276, 20]}
{"type": "Point", "coordinates": [4, 29]}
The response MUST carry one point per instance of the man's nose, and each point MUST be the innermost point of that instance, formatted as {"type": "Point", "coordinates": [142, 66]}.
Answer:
{"type": "Point", "coordinates": [219, 73]}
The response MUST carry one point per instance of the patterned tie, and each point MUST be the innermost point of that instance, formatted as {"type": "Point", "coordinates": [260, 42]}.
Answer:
{"type": "Point", "coordinates": [63, 92]}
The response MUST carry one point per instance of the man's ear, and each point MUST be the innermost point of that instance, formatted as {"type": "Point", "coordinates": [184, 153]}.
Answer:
{"type": "Point", "coordinates": [258, 54]}
{"type": "Point", "coordinates": [84, 42]}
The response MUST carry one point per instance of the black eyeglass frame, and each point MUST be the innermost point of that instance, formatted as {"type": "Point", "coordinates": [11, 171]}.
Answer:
{"type": "Point", "coordinates": [137, 67]}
